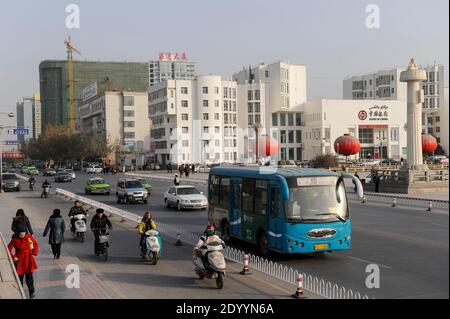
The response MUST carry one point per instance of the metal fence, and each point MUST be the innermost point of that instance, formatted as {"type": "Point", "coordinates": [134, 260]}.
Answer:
{"type": "Point", "coordinates": [287, 274]}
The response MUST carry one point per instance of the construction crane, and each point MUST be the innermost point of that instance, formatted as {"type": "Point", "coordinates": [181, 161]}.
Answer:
{"type": "Point", "coordinates": [70, 49]}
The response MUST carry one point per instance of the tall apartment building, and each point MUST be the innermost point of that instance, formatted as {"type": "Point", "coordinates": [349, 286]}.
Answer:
{"type": "Point", "coordinates": [117, 118]}
{"type": "Point", "coordinates": [269, 95]}
{"type": "Point", "coordinates": [113, 76]}
{"type": "Point", "coordinates": [170, 66]}
{"type": "Point", "coordinates": [193, 121]}
{"type": "Point", "coordinates": [386, 85]}
{"type": "Point", "coordinates": [28, 111]}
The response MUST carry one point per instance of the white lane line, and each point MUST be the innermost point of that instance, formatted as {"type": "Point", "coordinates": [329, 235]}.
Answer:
{"type": "Point", "coordinates": [368, 261]}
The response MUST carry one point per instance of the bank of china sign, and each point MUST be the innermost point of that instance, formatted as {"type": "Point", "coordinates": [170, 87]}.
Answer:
{"type": "Point", "coordinates": [374, 113]}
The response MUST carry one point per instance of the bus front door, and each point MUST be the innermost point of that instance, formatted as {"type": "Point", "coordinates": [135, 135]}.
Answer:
{"type": "Point", "coordinates": [235, 215]}
{"type": "Point", "coordinates": [274, 217]}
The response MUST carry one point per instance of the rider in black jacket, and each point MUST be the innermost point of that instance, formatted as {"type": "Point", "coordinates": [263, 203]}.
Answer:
{"type": "Point", "coordinates": [99, 221]}
{"type": "Point", "coordinates": [77, 209]}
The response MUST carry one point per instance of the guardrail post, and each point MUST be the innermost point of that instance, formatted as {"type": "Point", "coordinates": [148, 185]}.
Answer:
{"type": "Point", "coordinates": [394, 202]}
{"type": "Point", "coordinates": [178, 242]}
{"type": "Point", "coordinates": [298, 294]}
{"type": "Point", "coordinates": [245, 270]}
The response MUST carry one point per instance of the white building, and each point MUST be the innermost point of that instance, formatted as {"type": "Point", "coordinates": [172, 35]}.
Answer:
{"type": "Point", "coordinates": [443, 113]}
{"type": "Point", "coordinates": [193, 121]}
{"type": "Point", "coordinates": [266, 96]}
{"type": "Point", "coordinates": [28, 115]}
{"type": "Point", "coordinates": [386, 85]}
{"type": "Point", "coordinates": [380, 126]}
{"type": "Point", "coordinates": [117, 118]}
{"type": "Point", "coordinates": [170, 66]}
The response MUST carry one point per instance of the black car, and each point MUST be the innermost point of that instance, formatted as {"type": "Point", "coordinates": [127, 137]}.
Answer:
{"type": "Point", "coordinates": [10, 182]}
{"type": "Point", "coordinates": [63, 177]}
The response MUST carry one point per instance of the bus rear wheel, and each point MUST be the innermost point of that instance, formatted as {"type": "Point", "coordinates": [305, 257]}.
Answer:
{"type": "Point", "coordinates": [263, 243]}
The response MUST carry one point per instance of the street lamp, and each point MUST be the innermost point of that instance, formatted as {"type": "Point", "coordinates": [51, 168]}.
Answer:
{"type": "Point", "coordinates": [257, 127]}
{"type": "Point", "coordinates": [10, 114]}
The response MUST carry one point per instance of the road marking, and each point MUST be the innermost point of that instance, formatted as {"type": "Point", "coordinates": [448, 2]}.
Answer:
{"type": "Point", "coordinates": [368, 261]}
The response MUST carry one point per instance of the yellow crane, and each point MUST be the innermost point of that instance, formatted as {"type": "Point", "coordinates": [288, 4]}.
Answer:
{"type": "Point", "coordinates": [70, 49]}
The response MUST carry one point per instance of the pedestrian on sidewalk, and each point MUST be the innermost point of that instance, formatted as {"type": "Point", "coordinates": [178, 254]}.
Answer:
{"type": "Point", "coordinates": [193, 168]}
{"type": "Point", "coordinates": [21, 220]}
{"type": "Point", "coordinates": [176, 180]}
{"type": "Point", "coordinates": [186, 170]}
{"type": "Point", "coordinates": [181, 169]}
{"type": "Point", "coordinates": [169, 168]}
{"type": "Point", "coordinates": [376, 180]}
{"type": "Point", "coordinates": [23, 248]}
{"type": "Point", "coordinates": [56, 226]}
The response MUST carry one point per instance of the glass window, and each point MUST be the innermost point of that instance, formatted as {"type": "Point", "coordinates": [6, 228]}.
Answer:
{"type": "Point", "coordinates": [248, 195]}
{"type": "Point", "coordinates": [216, 90]}
{"type": "Point", "coordinates": [250, 95]}
{"type": "Point", "coordinates": [365, 135]}
{"type": "Point", "coordinates": [216, 103]}
{"type": "Point", "coordinates": [216, 116]}
{"type": "Point", "coordinates": [185, 130]}
{"type": "Point", "coordinates": [291, 119]}
{"type": "Point", "coordinates": [205, 116]}
{"type": "Point", "coordinates": [214, 187]}
{"type": "Point", "coordinates": [261, 197]}
{"type": "Point", "coordinates": [184, 103]}
{"type": "Point", "coordinates": [184, 90]}
{"type": "Point", "coordinates": [205, 90]}
{"type": "Point", "coordinates": [257, 96]}
{"type": "Point", "coordinates": [291, 136]}
{"type": "Point", "coordinates": [298, 136]}
{"type": "Point", "coordinates": [274, 119]}
{"type": "Point", "coordinates": [128, 100]}
{"type": "Point", "coordinates": [206, 129]}
{"type": "Point", "coordinates": [128, 113]}
{"type": "Point", "coordinates": [237, 187]}
{"type": "Point", "coordinates": [283, 119]}
{"type": "Point", "coordinates": [224, 198]}
{"type": "Point", "coordinates": [128, 134]}
{"type": "Point", "coordinates": [205, 103]}
{"type": "Point", "coordinates": [184, 117]}
{"type": "Point", "coordinates": [274, 203]}
{"type": "Point", "coordinates": [250, 107]}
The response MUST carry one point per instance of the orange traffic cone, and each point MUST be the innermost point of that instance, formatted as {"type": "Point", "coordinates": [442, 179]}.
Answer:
{"type": "Point", "coordinates": [299, 291]}
{"type": "Point", "coordinates": [246, 269]}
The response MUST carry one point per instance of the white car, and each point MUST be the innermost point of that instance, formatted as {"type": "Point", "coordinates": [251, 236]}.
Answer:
{"type": "Point", "coordinates": [185, 197]}
{"type": "Point", "coordinates": [94, 169]}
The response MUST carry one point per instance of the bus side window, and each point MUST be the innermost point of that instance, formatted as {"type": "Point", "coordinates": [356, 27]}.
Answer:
{"type": "Point", "coordinates": [214, 190]}
{"type": "Point", "coordinates": [261, 197]}
{"type": "Point", "coordinates": [274, 199]}
{"type": "Point", "coordinates": [237, 196]}
{"type": "Point", "coordinates": [248, 195]}
{"type": "Point", "coordinates": [224, 198]}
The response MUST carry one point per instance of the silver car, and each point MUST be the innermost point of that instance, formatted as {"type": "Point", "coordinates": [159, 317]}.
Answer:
{"type": "Point", "coordinates": [185, 197]}
{"type": "Point", "coordinates": [10, 182]}
{"type": "Point", "coordinates": [129, 190]}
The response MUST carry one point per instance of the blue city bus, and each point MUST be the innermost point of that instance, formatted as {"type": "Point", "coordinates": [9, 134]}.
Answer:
{"type": "Point", "coordinates": [287, 210]}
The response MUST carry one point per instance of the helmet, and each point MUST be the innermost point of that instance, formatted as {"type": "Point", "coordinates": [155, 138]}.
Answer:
{"type": "Point", "coordinates": [210, 230]}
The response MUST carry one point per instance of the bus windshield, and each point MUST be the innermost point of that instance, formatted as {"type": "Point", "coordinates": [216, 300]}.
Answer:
{"type": "Point", "coordinates": [316, 199]}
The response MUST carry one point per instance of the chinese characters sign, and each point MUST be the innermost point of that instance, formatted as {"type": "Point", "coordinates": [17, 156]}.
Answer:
{"type": "Point", "coordinates": [374, 113]}
{"type": "Point", "coordinates": [12, 155]}
{"type": "Point", "coordinates": [170, 56]}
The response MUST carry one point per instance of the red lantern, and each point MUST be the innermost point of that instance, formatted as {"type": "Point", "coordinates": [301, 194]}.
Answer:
{"type": "Point", "coordinates": [347, 145]}
{"type": "Point", "coordinates": [429, 144]}
{"type": "Point", "coordinates": [268, 146]}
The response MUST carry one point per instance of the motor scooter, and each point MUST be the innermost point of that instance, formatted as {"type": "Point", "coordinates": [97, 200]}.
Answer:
{"type": "Point", "coordinates": [79, 227]}
{"type": "Point", "coordinates": [211, 254]}
{"type": "Point", "coordinates": [153, 246]}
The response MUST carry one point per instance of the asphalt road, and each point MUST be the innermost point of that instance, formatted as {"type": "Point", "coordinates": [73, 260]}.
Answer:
{"type": "Point", "coordinates": [125, 274]}
{"type": "Point", "coordinates": [410, 246]}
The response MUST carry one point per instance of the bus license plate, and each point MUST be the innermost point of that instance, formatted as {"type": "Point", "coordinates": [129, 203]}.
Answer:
{"type": "Point", "coordinates": [320, 246]}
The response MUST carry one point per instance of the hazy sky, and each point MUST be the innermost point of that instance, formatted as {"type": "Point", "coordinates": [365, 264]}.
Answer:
{"type": "Point", "coordinates": [329, 36]}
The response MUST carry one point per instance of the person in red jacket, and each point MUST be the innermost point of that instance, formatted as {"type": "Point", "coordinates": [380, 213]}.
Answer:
{"type": "Point", "coordinates": [25, 249]}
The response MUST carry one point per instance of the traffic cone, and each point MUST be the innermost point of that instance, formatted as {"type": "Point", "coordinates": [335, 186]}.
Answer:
{"type": "Point", "coordinates": [299, 291]}
{"type": "Point", "coordinates": [394, 202]}
{"type": "Point", "coordinates": [364, 199]}
{"type": "Point", "coordinates": [178, 242]}
{"type": "Point", "coordinates": [245, 270]}
{"type": "Point", "coordinates": [430, 205]}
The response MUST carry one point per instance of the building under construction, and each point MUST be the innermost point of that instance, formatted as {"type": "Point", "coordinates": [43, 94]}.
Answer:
{"type": "Point", "coordinates": [110, 76]}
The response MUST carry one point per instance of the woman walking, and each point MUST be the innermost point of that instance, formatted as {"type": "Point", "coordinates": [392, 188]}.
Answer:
{"type": "Point", "coordinates": [23, 248]}
{"type": "Point", "coordinates": [56, 226]}
{"type": "Point", "coordinates": [21, 220]}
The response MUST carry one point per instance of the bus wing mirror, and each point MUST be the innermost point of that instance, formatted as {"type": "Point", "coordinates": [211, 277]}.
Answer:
{"type": "Point", "coordinates": [359, 187]}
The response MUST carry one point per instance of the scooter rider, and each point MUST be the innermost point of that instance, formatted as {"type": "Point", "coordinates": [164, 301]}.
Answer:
{"type": "Point", "coordinates": [145, 225]}
{"type": "Point", "coordinates": [44, 185]}
{"type": "Point", "coordinates": [31, 181]}
{"type": "Point", "coordinates": [77, 209]}
{"type": "Point", "coordinates": [99, 221]}
{"type": "Point", "coordinates": [209, 233]}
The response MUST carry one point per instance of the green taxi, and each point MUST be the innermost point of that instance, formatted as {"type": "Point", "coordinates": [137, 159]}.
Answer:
{"type": "Point", "coordinates": [146, 185]}
{"type": "Point", "coordinates": [97, 185]}
{"type": "Point", "coordinates": [31, 170]}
